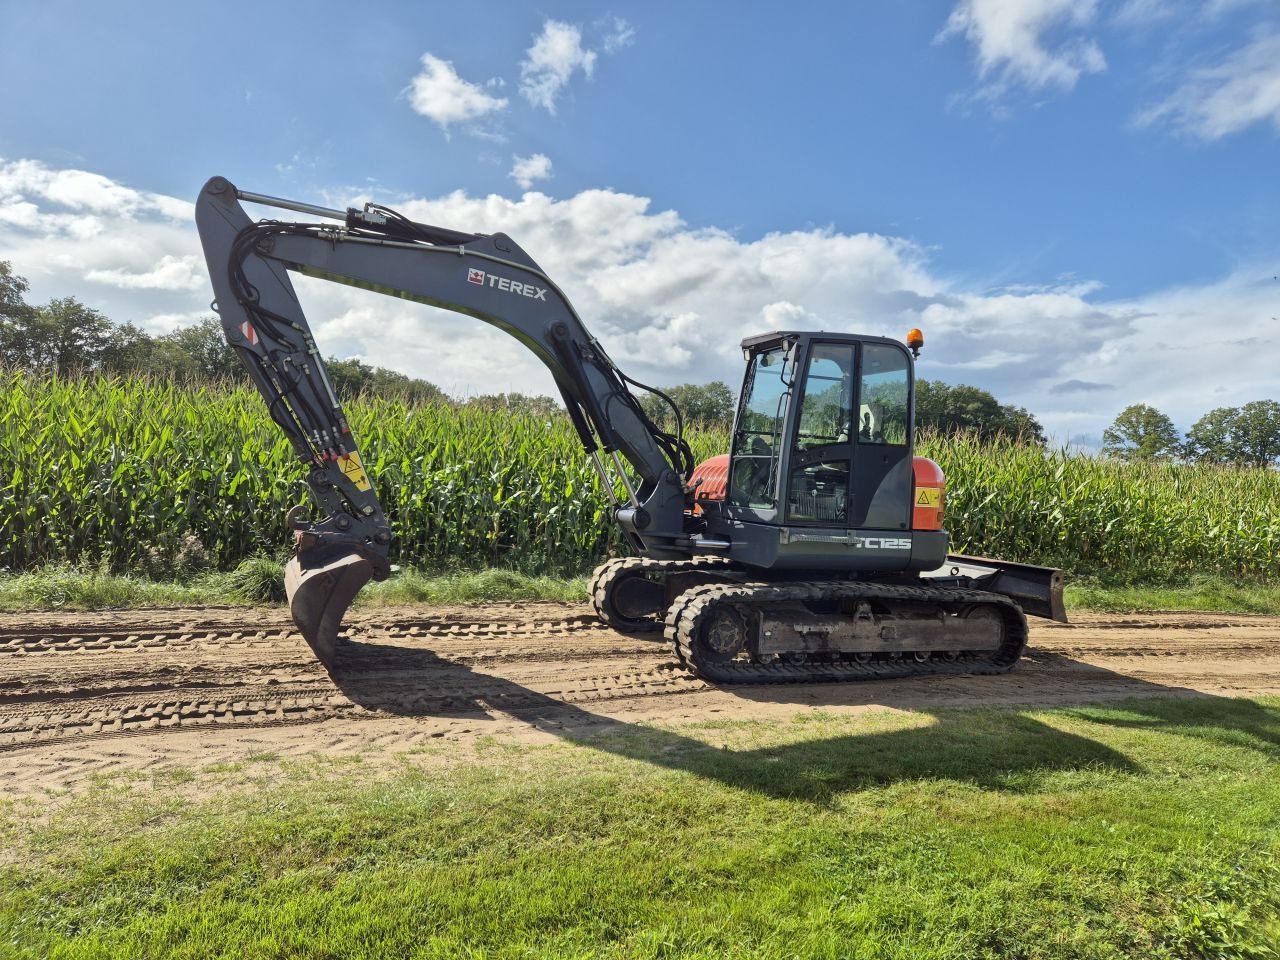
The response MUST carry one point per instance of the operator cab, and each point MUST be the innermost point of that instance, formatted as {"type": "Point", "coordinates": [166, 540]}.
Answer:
{"type": "Point", "coordinates": [822, 448]}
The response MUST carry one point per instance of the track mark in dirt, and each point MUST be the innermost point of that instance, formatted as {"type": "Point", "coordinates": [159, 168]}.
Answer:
{"type": "Point", "coordinates": [85, 693]}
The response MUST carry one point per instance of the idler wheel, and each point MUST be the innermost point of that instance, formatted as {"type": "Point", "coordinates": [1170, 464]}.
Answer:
{"type": "Point", "coordinates": [986, 614]}
{"type": "Point", "coordinates": [723, 636]}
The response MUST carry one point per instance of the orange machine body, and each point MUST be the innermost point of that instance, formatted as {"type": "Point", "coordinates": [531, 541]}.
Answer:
{"type": "Point", "coordinates": [714, 474]}
{"type": "Point", "coordinates": [927, 496]}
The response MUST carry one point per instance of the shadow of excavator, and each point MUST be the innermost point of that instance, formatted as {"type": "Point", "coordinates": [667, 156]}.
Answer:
{"type": "Point", "coordinates": [408, 681]}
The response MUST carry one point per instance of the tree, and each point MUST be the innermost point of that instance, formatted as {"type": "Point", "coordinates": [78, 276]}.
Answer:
{"type": "Point", "coordinates": [1257, 433]}
{"type": "Point", "coordinates": [206, 347]}
{"type": "Point", "coordinates": [1141, 432]}
{"type": "Point", "coordinates": [12, 287]}
{"type": "Point", "coordinates": [389, 383]}
{"type": "Point", "coordinates": [349, 377]}
{"type": "Point", "coordinates": [1023, 425]}
{"type": "Point", "coordinates": [15, 315]}
{"type": "Point", "coordinates": [538, 406]}
{"type": "Point", "coordinates": [709, 404]}
{"type": "Point", "coordinates": [1209, 439]}
{"type": "Point", "coordinates": [966, 409]}
{"type": "Point", "coordinates": [131, 351]}
{"type": "Point", "coordinates": [1247, 436]}
{"type": "Point", "coordinates": [62, 335]}
{"type": "Point", "coordinates": [353, 377]}
{"type": "Point", "coordinates": [128, 350]}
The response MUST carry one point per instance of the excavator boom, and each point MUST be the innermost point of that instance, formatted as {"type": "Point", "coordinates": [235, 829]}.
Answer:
{"type": "Point", "coordinates": [487, 277]}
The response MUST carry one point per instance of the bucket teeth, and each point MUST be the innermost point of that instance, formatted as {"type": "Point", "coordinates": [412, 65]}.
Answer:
{"type": "Point", "coordinates": [319, 594]}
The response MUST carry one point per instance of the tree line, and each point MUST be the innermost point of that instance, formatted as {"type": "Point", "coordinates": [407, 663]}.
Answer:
{"type": "Point", "coordinates": [66, 336]}
{"type": "Point", "coordinates": [1247, 436]}
{"type": "Point", "coordinates": [940, 407]}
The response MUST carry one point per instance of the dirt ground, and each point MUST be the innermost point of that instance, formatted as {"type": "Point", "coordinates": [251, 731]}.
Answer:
{"type": "Point", "coordinates": [85, 694]}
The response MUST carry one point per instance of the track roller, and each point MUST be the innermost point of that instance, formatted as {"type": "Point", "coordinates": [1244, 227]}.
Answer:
{"type": "Point", "coordinates": [836, 631]}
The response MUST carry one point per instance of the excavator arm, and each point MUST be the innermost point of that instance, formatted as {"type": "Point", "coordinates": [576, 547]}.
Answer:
{"type": "Point", "coordinates": [486, 277]}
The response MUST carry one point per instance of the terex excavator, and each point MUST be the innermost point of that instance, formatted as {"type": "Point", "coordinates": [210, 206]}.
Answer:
{"type": "Point", "coordinates": [813, 550]}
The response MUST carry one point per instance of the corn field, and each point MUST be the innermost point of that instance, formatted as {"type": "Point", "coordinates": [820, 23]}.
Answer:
{"type": "Point", "coordinates": [143, 475]}
{"type": "Point", "coordinates": [1139, 521]}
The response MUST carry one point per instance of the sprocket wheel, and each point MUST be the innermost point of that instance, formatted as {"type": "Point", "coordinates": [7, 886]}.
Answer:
{"type": "Point", "coordinates": [626, 599]}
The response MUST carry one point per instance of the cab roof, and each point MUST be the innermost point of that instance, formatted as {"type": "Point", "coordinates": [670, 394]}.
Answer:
{"type": "Point", "coordinates": [778, 336]}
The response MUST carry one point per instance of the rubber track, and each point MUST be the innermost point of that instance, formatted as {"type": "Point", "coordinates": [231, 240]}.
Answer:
{"type": "Point", "coordinates": [580, 623]}
{"type": "Point", "coordinates": [610, 570]}
{"type": "Point", "coordinates": [693, 606]}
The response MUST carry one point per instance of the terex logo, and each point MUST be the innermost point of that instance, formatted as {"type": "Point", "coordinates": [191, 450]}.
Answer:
{"type": "Point", "coordinates": [510, 286]}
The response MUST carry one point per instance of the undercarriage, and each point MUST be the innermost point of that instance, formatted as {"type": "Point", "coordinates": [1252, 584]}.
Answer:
{"type": "Point", "coordinates": [728, 627]}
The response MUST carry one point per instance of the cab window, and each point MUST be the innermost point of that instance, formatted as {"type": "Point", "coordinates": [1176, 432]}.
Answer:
{"type": "Point", "coordinates": [883, 403]}
{"type": "Point", "coordinates": [819, 482]}
{"type": "Point", "coordinates": [828, 396]}
{"type": "Point", "coordinates": [759, 433]}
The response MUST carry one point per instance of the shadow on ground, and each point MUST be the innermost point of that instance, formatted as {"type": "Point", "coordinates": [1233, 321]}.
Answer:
{"type": "Point", "coordinates": [991, 749]}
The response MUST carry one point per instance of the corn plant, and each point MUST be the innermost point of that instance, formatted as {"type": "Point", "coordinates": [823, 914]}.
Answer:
{"type": "Point", "coordinates": [102, 470]}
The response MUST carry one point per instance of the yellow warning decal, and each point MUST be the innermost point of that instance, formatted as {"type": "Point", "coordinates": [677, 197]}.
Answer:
{"type": "Point", "coordinates": [354, 470]}
{"type": "Point", "coordinates": [929, 497]}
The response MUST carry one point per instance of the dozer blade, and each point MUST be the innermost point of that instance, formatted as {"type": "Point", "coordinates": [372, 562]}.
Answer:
{"type": "Point", "coordinates": [319, 595]}
{"type": "Point", "coordinates": [1037, 590]}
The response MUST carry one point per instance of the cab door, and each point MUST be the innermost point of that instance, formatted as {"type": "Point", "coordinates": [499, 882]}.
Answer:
{"type": "Point", "coordinates": [882, 480]}
{"type": "Point", "coordinates": [850, 458]}
{"type": "Point", "coordinates": [759, 435]}
{"type": "Point", "coordinates": [821, 456]}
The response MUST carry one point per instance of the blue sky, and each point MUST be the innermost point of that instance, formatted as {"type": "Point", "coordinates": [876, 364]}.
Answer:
{"type": "Point", "coordinates": [1075, 198]}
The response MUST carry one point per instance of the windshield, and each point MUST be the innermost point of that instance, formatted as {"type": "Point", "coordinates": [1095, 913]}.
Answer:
{"type": "Point", "coordinates": [759, 433]}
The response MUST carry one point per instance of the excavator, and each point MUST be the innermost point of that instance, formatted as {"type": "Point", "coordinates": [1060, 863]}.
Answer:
{"type": "Point", "coordinates": [813, 550]}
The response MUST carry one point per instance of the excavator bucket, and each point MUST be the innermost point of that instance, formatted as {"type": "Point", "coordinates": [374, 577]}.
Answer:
{"type": "Point", "coordinates": [319, 594]}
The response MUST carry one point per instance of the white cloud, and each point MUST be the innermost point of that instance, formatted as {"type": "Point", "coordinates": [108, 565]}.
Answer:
{"type": "Point", "coordinates": [439, 94]}
{"type": "Point", "coordinates": [1218, 8]}
{"type": "Point", "coordinates": [20, 213]}
{"type": "Point", "coordinates": [130, 253]}
{"type": "Point", "coordinates": [161, 323]}
{"type": "Point", "coordinates": [1193, 13]}
{"type": "Point", "coordinates": [557, 53]}
{"type": "Point", "coordinates": [1225, 98]}
{"type": "Point", "coordinates": [1142, 13]}
{"type": "Point", "coordinates": [526, 170]}
{"type": "Point", "coordinates": [171, 273]}
{"type": "Point", "coordinates": [83, 192]}
{"type": "Point", "coordinates": [620, 34]}
{"type": "Point", "coordinates": [1036, 43]}
{"type": "Point", "coordinates": [670, 303]}
{"type": "Point", "coordinates": [785, 315]}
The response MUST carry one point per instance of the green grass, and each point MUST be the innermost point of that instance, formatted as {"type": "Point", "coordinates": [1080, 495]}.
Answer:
{"type": "Point", "coordinates": [1148, 829]}
{"type": "Point", "coordinates": [64, 587]}
{"type": "Point", "coordinates": [259, 581]}
{"type": "Point", "coordinates": [1209, 594]}
{"type": "Point", "coordinates": [414, 586]}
